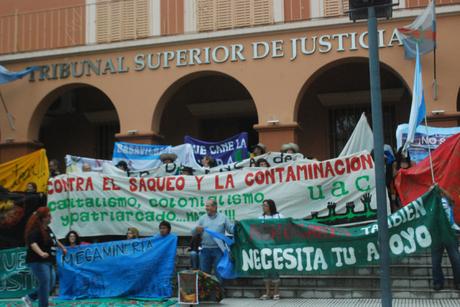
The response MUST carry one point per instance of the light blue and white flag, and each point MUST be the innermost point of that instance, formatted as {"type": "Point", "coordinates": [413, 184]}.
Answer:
{"type": "Point", "coordinates": [418, 108]}
{"type": "Point", "coordinates": [7, 76]}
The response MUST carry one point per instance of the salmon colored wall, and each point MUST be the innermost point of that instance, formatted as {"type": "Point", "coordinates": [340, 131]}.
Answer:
{"type": "Point", "coordinates": [275, 84]}
{"type": "Point", "coordinates": [421, 3]}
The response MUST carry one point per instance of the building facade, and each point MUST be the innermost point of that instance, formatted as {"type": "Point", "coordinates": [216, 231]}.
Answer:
{"type": "Point", "coordinates": [153, 71]}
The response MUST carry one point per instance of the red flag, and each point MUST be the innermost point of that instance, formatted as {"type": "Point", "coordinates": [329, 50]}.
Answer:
{"type": "Point", "coordinates": [411, 183]}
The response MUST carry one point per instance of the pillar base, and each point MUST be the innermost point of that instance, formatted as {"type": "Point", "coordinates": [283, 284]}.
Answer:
{"type": "Point", "coordinates": [140, 138]}
{"type": "Point", "coordinates": [12, 150]}
{"type": "Point", "coordinates": [273, 136]}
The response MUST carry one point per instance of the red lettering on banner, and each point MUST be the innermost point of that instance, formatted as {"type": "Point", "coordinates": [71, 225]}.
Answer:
{"type": "Point", "coordinates": [217, 185]}
{"type": "Point", "coordinates": [367, 162]}
{"type": "Point", "coordinates": [105, 184]}
{"type": "Point", "coordinates": [339, 167]}
{"type": "Point", "coordinates": [198, 182]}
{"type": "Point", "coordinates": [169, 184]}
{"type": "Point", "coordinates": [329, 170]}
{"type": "Point", "coordinates": [80, 182]}
{"type": "Point", "coordinates": [290, 174]}
{"type": "Point", "coordinates": [229, 182]}
{"type": "Point", "coordinates": [89, 184]}
{"type": "Point", "coordinates": [50, 188]}
{"type": "Point", "coordinates": [249, 179]}
{"type": "Point", "coordinates": [132, 184]}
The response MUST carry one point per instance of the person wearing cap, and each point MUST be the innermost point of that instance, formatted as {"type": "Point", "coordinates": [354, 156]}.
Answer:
{"type": "Point", "coordinates": [290, 148]}
{"type": "Point", "coordinates": [167, 158]}
{"type": "Point", "coordinates": [122, 165]}
{"type": "Point", "coordinates": [258, 150]}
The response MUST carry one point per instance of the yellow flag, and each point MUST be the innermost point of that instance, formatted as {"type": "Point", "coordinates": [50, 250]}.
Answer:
{"type": "Point", "coordinates": [17, 173]}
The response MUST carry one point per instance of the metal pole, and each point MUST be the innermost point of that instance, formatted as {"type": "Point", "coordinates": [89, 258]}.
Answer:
{"type": "Point", "coordinates": [377, 127]}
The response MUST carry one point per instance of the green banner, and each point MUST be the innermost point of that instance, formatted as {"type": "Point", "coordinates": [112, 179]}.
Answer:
{"type": "Point", "coordinates": [16, 279]}
{"type": "Point", "coordinates": [297, 247]}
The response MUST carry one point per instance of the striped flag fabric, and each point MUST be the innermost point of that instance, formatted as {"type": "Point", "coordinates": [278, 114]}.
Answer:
{"type": "Point", "coordinates": [7, 76]}
{"type": "Point", "coordinates": [422, 32]}
{"type": "Point", "coordinates": [418, 107]}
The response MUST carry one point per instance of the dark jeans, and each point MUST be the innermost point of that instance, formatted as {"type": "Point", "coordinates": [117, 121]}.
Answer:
{"type": "Point", "coordinates": [46, 277]}
{"type": "Point", "coordinates": [195, 260]}
{"type": "Point", "coordinates": [436, 258]}
{"type": "Point", "coordinates": [209, 258]}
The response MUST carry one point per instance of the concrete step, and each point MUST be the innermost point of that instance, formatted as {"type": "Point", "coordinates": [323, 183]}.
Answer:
{"type": "Point", "coordinates": [336, 292]}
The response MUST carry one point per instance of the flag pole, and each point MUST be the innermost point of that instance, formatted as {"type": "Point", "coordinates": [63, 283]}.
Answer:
{"type": "Point", "coordinates": [8, 114]}
{"type": "Point", "coordinates": [435, 80]}
{"type": "Point", "coordinates": [429, 154]}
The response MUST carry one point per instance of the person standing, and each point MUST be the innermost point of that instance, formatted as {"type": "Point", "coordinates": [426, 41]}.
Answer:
{"type": "Point", "coordinates": [41, 255]}
{"type": "Point", "coordinates": [269, 211]}
{"type": "Point", "coordinates": [451, 248]}
{"type": "Point", "coordinates": [211, 252]}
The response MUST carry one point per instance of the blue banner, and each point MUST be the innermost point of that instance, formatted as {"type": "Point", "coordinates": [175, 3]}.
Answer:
{"type": "Point", "coordinates": [224, 152]}
{"type": "Point", "coordinates": [425, 138]}
{"type": "Point", "coordinates": [140, 268]}
{"type": "Point", "coordinates": [143, 156]}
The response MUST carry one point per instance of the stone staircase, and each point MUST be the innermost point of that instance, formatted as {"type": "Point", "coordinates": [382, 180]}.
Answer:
{"type": "Point", "coordinates": [411, 278]}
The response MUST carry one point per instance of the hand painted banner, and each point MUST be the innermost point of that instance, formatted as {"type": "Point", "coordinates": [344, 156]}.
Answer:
{"type": "Point", "coordinates": [130, 268]}
{"type": "Point", "coordinates": [425, 138]}
{"type": "Point", "coordinates": [414, 181]}
{"type": "Point", "coordinates": [170, 169]}
{"type": "Point", "coordinates": [224, 152]}
{"type": "Point", "coordinates": [15, 174]}
{"type": "Point", "coordinates": [16, 279]}
{"type": "Point", "coordinates": [74, 164]}
{"type": "Point", "coordinates": [143, 156]}
{"type": "Point", "coordinates": [97, 204]}
{"type": "Point", "coordinates": [297, 247]}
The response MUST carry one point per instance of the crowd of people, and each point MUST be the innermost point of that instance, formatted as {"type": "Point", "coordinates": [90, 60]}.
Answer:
{"type": "Point", "coordinates": [205, 250]}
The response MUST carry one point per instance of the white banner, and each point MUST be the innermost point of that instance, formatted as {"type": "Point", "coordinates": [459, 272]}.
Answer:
{"type": "Point", "coordinates": [74, 164]}
{"type": "Point", "coordinates": [98, 204]}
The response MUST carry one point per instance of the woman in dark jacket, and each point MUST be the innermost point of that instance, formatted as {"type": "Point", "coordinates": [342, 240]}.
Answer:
{"type": "Point", "coordinates": [41, 246]}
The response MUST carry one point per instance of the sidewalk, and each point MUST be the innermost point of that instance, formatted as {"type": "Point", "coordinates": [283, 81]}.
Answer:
{"type": "Point", "coordinates": [234, 302]}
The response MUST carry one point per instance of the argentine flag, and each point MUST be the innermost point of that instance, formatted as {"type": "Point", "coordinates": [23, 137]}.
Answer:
{"type": "Point", "coordinates": [418, 108]}
{"type": "Point", "coordinates": [7, 76]}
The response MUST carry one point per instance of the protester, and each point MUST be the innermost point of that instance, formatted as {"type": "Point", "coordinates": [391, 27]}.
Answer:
{"type": "Point", "coordinates": [186, 170]}
{"type": "Point", "coordinates": [31, 187]}
{"type": "Point", "coordinates": [258, 150]}
{"type": "Point", "coordinates": [86, 167]}
{"type": "Point", "coordinates": [165, 228]}
{"type": "Point", "coordinates": [41, 255]}
{"type": "Point", "coordinates": [290, 148]}
{"type": "Point", "coordinates": [122, 165]}
{"type": "Point", "coordinates": [452, 250]}
{"type": "Point", "coordinates": [270, 212]}
{"type": "Point", "coordinates": [195, 247]}
{"type": "Point", "coordinates": [133, 233]}
{"type": "Point", "coordinates": [53, 167]}
{"type": "Point", "coordinates": [72, 239]}
{"type": "Point", "coordinates": [218, 222]}
{"type": "Point", "coordinates": [167, 158]}
{"type": "Point", "coordinates": [262, 163]}
{"type": "Point", "coordinates": [208, 162]}
{"type": "Point", "coordinates": [402, 161]}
